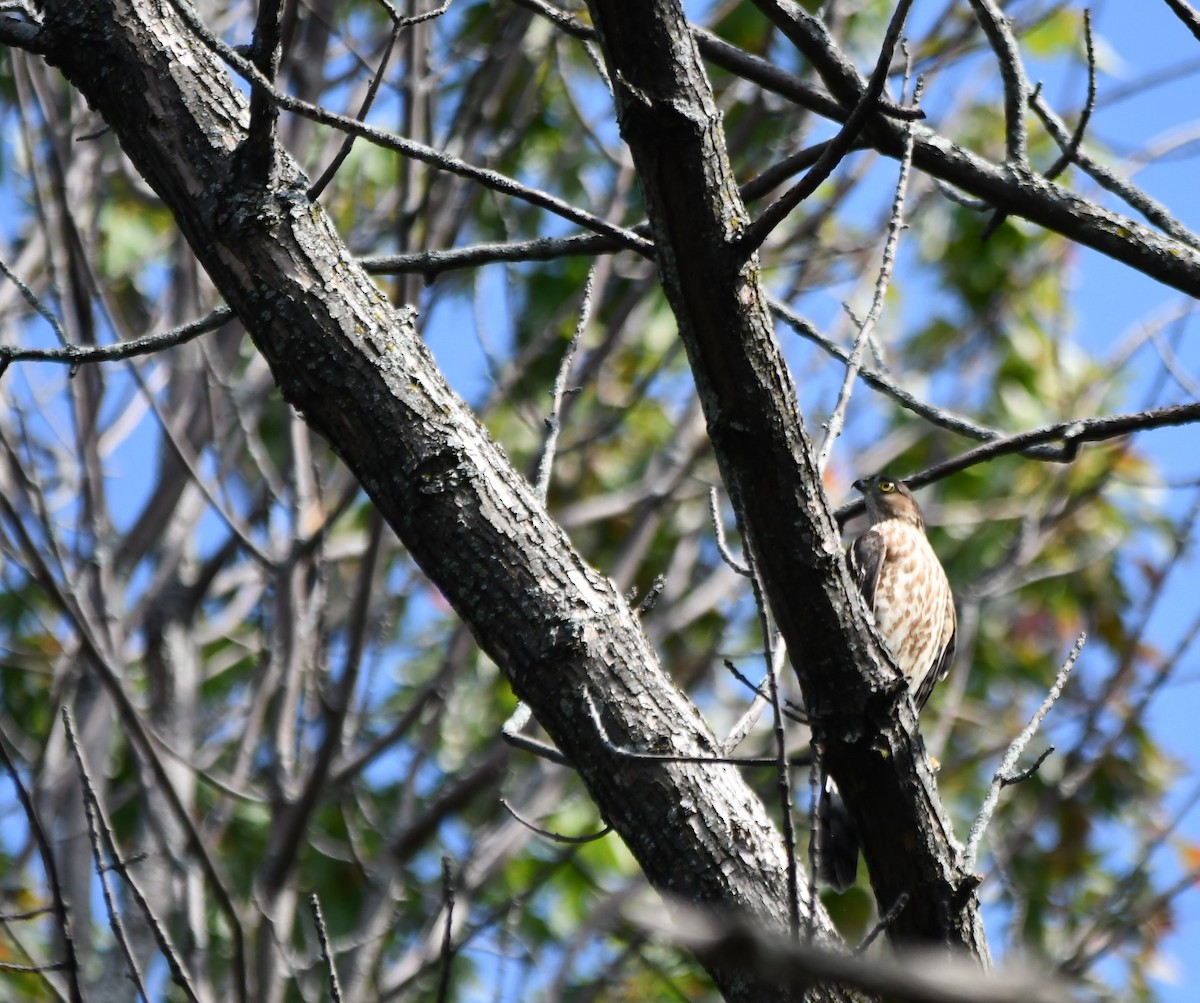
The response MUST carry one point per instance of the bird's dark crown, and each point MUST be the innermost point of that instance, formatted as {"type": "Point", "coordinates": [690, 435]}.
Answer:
{"type": "Point", "coordinates": [889, 498]}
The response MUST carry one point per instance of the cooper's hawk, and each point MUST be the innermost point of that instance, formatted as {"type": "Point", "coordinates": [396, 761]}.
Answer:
{"type": "Point", "coordinates": [905, 587]}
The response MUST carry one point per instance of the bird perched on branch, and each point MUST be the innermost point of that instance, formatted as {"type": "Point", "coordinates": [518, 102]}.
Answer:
{"type": "Point", "coordinates": [906, 589]}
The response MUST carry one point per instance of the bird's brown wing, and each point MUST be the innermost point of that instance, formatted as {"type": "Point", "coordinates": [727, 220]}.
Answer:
{"type": "Point", "coordinates": [936, 674]}
{"type": "Point", "coordinates": [866, 561]}
{"type": "Point", "coordinates": [941, 667]}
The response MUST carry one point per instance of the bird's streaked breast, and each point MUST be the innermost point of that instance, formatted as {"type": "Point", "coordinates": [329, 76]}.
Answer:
{"type": "Point", "coordinates": [911, 601]}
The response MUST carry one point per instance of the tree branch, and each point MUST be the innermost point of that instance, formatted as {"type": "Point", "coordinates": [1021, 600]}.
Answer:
{"type": "Point", "coordinates": [409, 148]}
{"type": "Point", "coordinates": [78, 355]}
{"type": "Point", "coordinates": [1187, 14]}
{"type": "Point", "coordinates": [1016, 85]}
{"type": "Point", "coordinates": [1036, 199]}
{"type": "Point", "coordinates": [1016, 193]}
{"type": "Point", "coordinates": [837, 148]}
{"type": "Point", "coordinates": [22, 34]}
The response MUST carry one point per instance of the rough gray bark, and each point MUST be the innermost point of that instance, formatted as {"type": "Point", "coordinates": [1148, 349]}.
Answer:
{"type": "Point", "coordinates": [357, 370]}
{"type": "Point", "coordinates": [866, 724]}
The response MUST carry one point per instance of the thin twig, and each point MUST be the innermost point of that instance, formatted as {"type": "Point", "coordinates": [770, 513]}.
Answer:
{"type": "Point", "coordinates": [431, 263]}
{"type": "Point", "coordinates": [663, 757]}
{"type": "Point", "coordinates": [886, 920]}
{"type": "Point", "coordinates": [511, 732]}
{"type": "Point", "coordinates": [91, 805]}
{"type": "Point", "coordinates": [556, 837]}
{"type": "Point", "coordinates": [553, 422]}
{"type": "Point", "coordinates": [34, 301]}
{"type": "Point", "coordinates": [1173, 366]}
{"type": "Point", "coordinates": [1019, 778]}
{"type": "Point", "coordinates": [1009, 762]}
{"type": "Point", "coordinates": [335, 988]}
{"type": "Point", "coordinates": [866, 328]}
{"type": "Point", "coordinates": [650, 599]}
{"type": "Point", "coordinates": [25, 914]}
{"type": "Point", "coordinates": [816, 784]}
{"type": "Point", "coordinates": [1089, 105]}
{"type": "Point", "coordinates": [14, 969]}
{"type": "Point", "coordinates": [347, 144]}
{"type": "Point", "coordinates": [776, 651]}
{"type": "Point", "coordinates": [70, 962]}
{"type": "Point", "coordinates": [739, 731]}
{"type": "Point", "coordinates": [719, 532]}
{"type": "Point", "coordinates": [745, 680]}
{"type": "Point", "coordinates": [763, 184]}
{"type": "Point", "coordinates": [952, 194]}
{"type": "Point", "coordinates": [78, 355]}
{"type": "Point", "coordinates": [443, 992]}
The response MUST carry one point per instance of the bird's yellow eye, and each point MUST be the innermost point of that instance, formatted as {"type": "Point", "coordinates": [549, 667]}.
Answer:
{"type": "Point", "coordinates": [887, 487]}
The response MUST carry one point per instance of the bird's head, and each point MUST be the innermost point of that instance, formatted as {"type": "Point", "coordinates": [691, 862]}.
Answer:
{"type": "Point", "coordinates": [888, 498]}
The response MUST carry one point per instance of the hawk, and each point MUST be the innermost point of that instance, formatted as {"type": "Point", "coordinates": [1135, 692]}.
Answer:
{"type": "Point", "coordinates": [906, 589]}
